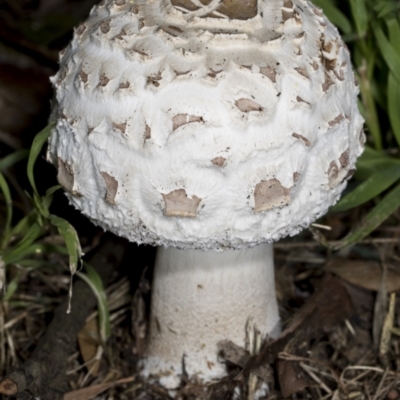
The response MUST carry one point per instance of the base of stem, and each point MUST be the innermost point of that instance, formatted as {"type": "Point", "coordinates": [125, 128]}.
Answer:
{"type": "Point", "coordinates": [201, 298]}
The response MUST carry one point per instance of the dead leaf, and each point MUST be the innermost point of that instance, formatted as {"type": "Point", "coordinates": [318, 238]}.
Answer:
{"type": "Point", "coordinates": [89, 340]}
{"type": "Point", "coordinates": [291, 377]}
{"type": "Point", "coordinates": [92, 391]}
{"type": "Point", "coordinates": [367, 274]}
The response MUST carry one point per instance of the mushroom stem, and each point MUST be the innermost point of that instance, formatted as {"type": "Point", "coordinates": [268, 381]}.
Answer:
{"type": "Point", "coordinates": [200, 298]}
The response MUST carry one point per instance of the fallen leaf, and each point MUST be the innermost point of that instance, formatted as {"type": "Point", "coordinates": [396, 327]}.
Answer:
{"type": "Point", "coordinates": [291, 377]}
{"type": "Point", "coordinates": [367, 274]}
{"type": "Point", "coordinates": [89, 340]}
{"type": "Point", "coordinates": [92, 391]}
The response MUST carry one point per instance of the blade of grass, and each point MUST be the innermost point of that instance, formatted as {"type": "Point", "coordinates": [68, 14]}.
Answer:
{"type": "Point", "coordinates": [68, 232]}
{"type": "Point", "coordinates": [389, 53]}
{"type": "Point", "coordinates": [13, 158]}
{"type": "Point", "coordinates": [92, 278]}
{"type": "Point", "coordinates": [9, 210]}
{"type": "Point", "coordinates": [360, 16]}
{"type": "Point", "coordinates": [394, 105]}
{"type": "Point", "coordinates": [387, 206]}
{"type": "Point", "coordinates": [11, 288]}
{"type": "Point", "coordinates": [368, 189]}
{"type": "Point", "coordinates": [16, 255]}
{"type": "Point", "coordinates": [393, 26]}
{"type": "Point", "coordinates": [370, 112]}
{"type": "Point", "coordinates": [387, 9]}
{"type": "Point", "coordinates": [37, 144]}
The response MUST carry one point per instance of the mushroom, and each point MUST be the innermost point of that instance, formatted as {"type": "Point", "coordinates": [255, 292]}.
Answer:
{"type": "Point", "coordinates": [210, 130]}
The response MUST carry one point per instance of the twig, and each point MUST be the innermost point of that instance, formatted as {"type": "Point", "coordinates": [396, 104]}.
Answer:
{"type": "Point", "coordinates": [44, 374]}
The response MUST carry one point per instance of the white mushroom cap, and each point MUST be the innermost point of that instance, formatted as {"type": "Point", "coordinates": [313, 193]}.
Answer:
{"type": "Point", "coordinates": [194, 130]}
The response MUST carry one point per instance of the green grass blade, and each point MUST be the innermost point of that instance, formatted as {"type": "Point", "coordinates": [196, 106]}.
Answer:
{"type": "Point", "coordinates": [372, 161]}
{"type": "Point", "coordinates": [360, 16]}
{"type": "Point", "coordinates": [388, 205]}
{"type": "Point", "coordinates": [11, 288]}
{"type": "Point", "coordinates": [12, 159]}
{"type": "Point", "coordinates": [24, 224]}
{"type": "Point", "coordinates": [9, 210]}
{"type": "Point", "coordinates": [48, 198]}
{"type": "Point", "coordinates": [68, 232]}
{"type": "Point", "coordinates": [393, 25]}
{"type": "Point", "coordinates": [334, 15]}
{"type": "Point", "coordinates": [389, 53]}
{"type": "Point", "coordinates": [94, 281]}
{"type": "Point", "coordinates": [37, 144]}
{"type": "Point", "coordinates": [394, 105]}
{"type": "Point", "coordinates": [387, 8]}
{"type": "Point", "coordinates": [370, 111]}
{"type": "Point", "coordinates": [370, 188]}
{"type": "Point", "coordinates": [16, 255]}
{"type": "Point", "coordinates": [32, 234]}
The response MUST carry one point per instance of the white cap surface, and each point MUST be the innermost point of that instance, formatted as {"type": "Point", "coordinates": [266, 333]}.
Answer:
{"type": "Point", "coordinates": [201, 132]}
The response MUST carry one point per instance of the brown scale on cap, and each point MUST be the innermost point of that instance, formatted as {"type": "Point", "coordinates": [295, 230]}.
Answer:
{"type": "Point", "coordinates": [103, 80]}
{"type": "Point", "coordinates": [344, 159]}
{"type": "Point", "coordinates": [173, 30]}
{"type": "Point", "coordinates": [219, 161]}
{"type": "Point", "coordinates": [80, 29]}
{"type": "Point", "coordinates": [120, 127]}
{"type": "Point", "coordinates": [362, 137]}
{"type": "Point", "coordinates": [62, 75]}
{"type": "Point", "coordinates": [178, 204]}
{"type": "Point", "coordinates": [269, 72]}
{"type": "Point", "coordinates": [124, 85]}
{"type": "Point", "coordinates": [287, 14]}
{"type": "Point", "coordinates": [333, 174]}
{"type": "Point", "coordinates": [270, 194]}
{"type": "Point", "coordinates": [303, 72]}
{"type": "Point", "coordinates": [120, 2]}
{"type": "Point", "coordinates": [84, 76]}
{"type": "Point", "coordinates": [336, 120]}
{"type": "Point", "coordinates": [183, 119]}
{"type": "Point", "coordinates": [147, 133]}
{"type": "Point", "coordinates": [141, 52]}
{"type": "Point", "coordinates": [334, 169]}
{"type": "Point", "coordinates": [121, 35]}
{"type": "Point", "coordinates": [65, 176]}
{"type": "Point", "coordinates": [328, 83]}
{"type": "Point", "coordinates": [153, 79]}
{"type": "Point", "coordinates": [235, 9]}
{"type": "Point", "coordinates": [327, 47]}
{"type": "Point", "coordinates": [302, 138]}
{"type": "Point", "coordinates": [111, 187]}
{"type": "Point", "coordinates": [318, 11]}
{"type": "Point", "coordinates": [105, 26]}
{"type": "Point", "coordinates": [339, 74]}
{"type": "Point", "coordinates": [247, 105]}
{"type": "Point", "coordinates": [301, 100]}
{"type": "Point", "coordinates": [213, 74]}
